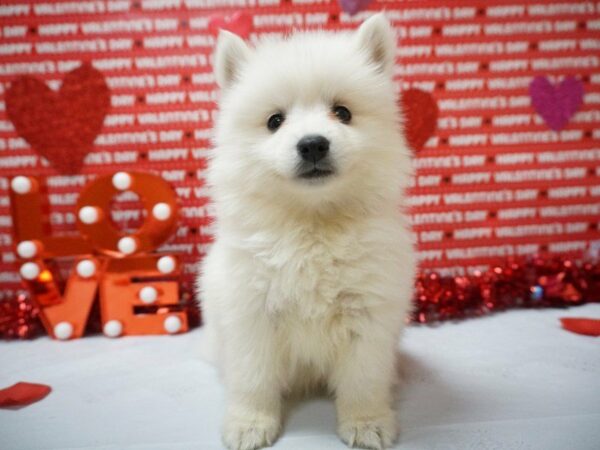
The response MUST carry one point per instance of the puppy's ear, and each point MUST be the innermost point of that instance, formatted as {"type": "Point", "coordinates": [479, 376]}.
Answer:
{"type": "Point", "coordinates": [377, 39]}
{"type": "Point", "coordinates": [230, 54]}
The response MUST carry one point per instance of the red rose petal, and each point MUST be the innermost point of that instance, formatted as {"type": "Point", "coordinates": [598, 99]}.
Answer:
{"type": "Point", "coordinates": [21, 394]}
{"type": "Point", "coordinates": [581, 325]}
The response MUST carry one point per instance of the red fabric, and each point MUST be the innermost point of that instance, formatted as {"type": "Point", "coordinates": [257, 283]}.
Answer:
{"type": "Point", "coordinates": [581, 325]}
{"type": "Point", "coordinates": [22, 394]}
{"type": "Point", "coordinates": [63, 125]}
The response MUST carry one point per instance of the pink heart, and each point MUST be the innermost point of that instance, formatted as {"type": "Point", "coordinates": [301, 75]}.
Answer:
{"type": "Point", "coordinates": [354, 6]}
{"type": "Point", "coordinates": [556, 104]}
{"type": "Point", "coordinates": [238, 23]}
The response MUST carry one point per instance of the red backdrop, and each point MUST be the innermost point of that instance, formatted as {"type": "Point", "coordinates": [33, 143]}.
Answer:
{"type": "Point", "coordinates": [494, 180]}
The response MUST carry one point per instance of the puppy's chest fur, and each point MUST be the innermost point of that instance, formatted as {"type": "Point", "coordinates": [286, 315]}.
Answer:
{"type": "Point", "coordinates": [311, 274]}
{"type": "Point", "coordinates": [312, 282]}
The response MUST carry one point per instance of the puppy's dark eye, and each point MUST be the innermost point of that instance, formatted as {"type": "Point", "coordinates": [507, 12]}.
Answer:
{"type": "Point", "coordinates": [342, 113]}
{"type": "Point", "coordinates": [275, 121]}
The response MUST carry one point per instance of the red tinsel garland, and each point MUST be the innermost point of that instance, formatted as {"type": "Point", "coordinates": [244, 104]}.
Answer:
{"type": "Point", "coordinates": [531, 283]}
{"type": "Point", "coordinates": [19, 318]}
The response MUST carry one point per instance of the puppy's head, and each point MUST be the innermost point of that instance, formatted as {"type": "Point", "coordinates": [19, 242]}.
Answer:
{"type": "Point", "coordinates": [311, 118]}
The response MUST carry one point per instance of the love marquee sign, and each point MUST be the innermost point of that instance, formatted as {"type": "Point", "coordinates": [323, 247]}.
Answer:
{"type": "Point", "coordinates": [137, 290]}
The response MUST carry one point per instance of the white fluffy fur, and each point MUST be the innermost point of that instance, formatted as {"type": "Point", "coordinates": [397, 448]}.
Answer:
{"type": "Point", "coordinates": [308, 282]}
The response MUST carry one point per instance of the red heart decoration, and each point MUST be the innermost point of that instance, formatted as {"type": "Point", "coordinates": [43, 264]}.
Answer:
{"type": "Point", "coordinates": [238, 23]}
{"type": "Point", "coordinates": [21, 394]}
{"type": "Point", "coordinates": [61, 126]}
{"type": "Point", "coordinates": [420, 113]}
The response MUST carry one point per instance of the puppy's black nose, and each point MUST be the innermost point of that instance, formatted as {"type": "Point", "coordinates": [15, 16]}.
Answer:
{"type": "Point", "coordinates": [313, 147]}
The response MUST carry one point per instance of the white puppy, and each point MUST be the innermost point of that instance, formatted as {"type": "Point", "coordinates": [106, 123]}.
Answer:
{"type": "Point", "coordinates": [311, 273]}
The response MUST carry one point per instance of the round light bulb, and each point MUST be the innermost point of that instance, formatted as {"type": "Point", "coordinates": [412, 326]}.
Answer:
{"type": "Point", "coordinates": [113, 328]}
{"type": "Point", "coordinates": [63, 331]}
{"type": "Point", "coordinates": [30, 271]}
{"type": "Point", "coordinates": [127, 245]}
{"type": "Point", "coordinates": [148, 294]}
{"type": "Point", "coordinates": [161, 211]}
{"type": "Point", "coordinates": [172, 324]}
{"type": "Point", "coordinates": [121, 181]}
{"type": "Point", "coordinates": [26, 249]}
{"type": "Point", "coordinates": [86, 268]}
{"type": "Point", "coordinates": [21, 184]}
{"type": "Point", "coordinates": [88, 215]}
{"type": "Point", "coordinates": [166, 264]}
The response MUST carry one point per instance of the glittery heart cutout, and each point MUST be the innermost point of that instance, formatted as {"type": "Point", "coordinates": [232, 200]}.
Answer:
{"type": "Point", "coordinates": [238, 23]}
{"type": "Point", "coordinates": [61, 126]}
{"type": "Point", "coordinates": [556, 104]}
{"type": "Point", "coordinates": [354, 6]}
{"type": "Point", "coordinates": [420, 114]}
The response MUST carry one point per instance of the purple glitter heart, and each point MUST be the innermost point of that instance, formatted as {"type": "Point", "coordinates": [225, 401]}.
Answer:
{"type": "Point", "coordinates": [556, 104]}
{"type": "Point", "coordinates": [354, 6]}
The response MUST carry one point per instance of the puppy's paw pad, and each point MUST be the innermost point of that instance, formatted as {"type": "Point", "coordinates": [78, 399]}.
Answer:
{"type": "Point", "coordinates": [241, 434]}
{"type": "Point", "coordinates": [369, 433]}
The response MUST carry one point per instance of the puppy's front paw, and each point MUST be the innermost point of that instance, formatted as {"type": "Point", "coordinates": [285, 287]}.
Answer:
{"type": "Point", "coordinates": [376, 433]}
{"type": "Point", "coordinates": [255, 430]}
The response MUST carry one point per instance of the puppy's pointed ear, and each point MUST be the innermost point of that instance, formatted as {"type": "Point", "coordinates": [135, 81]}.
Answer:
{"type": "Point", "coordinates": [377, 39]}
{"type": "Point", "coordinates": [230, 54]}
